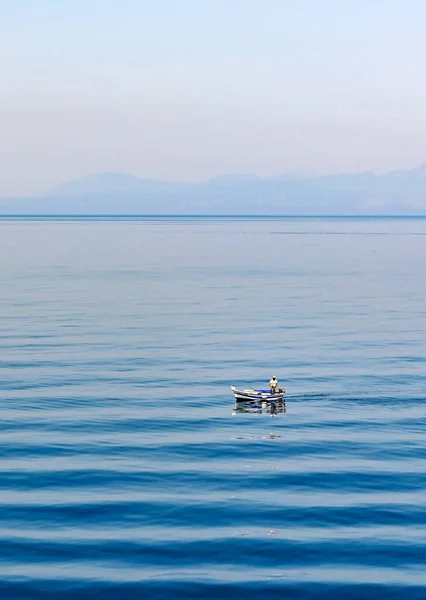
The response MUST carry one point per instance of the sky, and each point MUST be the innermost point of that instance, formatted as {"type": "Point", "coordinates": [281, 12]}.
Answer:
{"type": "Point", "coordinates": [186, 90]}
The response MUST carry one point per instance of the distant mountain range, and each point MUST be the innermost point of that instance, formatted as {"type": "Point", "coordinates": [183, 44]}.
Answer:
{"type": "Point", "coordinates": [397, 192]}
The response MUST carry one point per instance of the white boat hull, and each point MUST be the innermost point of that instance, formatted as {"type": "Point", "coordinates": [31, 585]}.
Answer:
{"type": "Point", "coordinates": [250, 395]}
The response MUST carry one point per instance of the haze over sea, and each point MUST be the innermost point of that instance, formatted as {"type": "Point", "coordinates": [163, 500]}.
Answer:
{"type": "Point", "coordinates": [125, 471]}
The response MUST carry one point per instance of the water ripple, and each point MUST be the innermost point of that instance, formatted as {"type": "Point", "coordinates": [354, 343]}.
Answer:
{"type": "Point", "coordinates": [126, 471]}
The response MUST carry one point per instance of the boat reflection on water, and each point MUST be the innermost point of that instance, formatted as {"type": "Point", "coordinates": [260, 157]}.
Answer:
{"type": "Point", "coordinates": [268, 407]}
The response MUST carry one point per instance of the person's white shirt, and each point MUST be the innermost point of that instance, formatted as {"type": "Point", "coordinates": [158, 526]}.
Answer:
{"type": "Point", "coordinates": [273, 383]}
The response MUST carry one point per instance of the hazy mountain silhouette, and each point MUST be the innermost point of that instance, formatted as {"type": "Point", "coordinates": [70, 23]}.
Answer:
{"type": "Point", "coordinates": [110, 183]}
{"type": "Point", "coordinates": [396, 192]}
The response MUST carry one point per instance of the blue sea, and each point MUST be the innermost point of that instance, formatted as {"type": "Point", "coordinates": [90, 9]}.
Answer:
{"type": "Point", "coordinates": [126, 469]}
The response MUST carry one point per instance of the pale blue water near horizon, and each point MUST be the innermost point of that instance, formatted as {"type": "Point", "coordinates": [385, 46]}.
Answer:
{"type": "Point", "coordinates": [125, 471]}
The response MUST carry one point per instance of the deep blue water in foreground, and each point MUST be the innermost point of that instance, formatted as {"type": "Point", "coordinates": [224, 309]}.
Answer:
{"type": "Point", "coordinates": [124, 470]}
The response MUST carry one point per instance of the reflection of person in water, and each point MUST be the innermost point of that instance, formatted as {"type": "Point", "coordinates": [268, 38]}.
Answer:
{"type": "Point", "coordinates": [275, 406]}
{"type": "Point", "coordinates": [272, 408]}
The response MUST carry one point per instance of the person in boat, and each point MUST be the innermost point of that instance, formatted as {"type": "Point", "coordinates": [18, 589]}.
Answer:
{"type": "Point", "coordinates": [273, 385]}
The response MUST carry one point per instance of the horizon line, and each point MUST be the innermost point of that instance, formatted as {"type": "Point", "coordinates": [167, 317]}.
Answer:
{"type": "Point", "coordinates": [206, 216]}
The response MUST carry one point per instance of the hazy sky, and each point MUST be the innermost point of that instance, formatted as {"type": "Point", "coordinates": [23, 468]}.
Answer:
{"type": "Point", "coordinates": [188, 89]}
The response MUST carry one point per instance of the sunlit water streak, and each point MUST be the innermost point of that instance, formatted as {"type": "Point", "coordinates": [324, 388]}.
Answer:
{"type": "Point", "coordinates": [126, 468]}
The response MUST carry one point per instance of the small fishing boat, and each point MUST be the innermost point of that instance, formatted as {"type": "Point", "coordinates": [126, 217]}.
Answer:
{"type": "Point", "coordinates": [249, 395]}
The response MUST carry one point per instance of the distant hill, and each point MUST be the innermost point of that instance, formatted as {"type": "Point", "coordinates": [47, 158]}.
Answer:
{"type": "Point", "coordinates": [109, 183]}
{"type": "Point", "coordinates": [396, 192]}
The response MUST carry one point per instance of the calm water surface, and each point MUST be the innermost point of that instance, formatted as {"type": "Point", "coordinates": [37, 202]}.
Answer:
{"type": "Point", "coordinates": [125, 471]}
